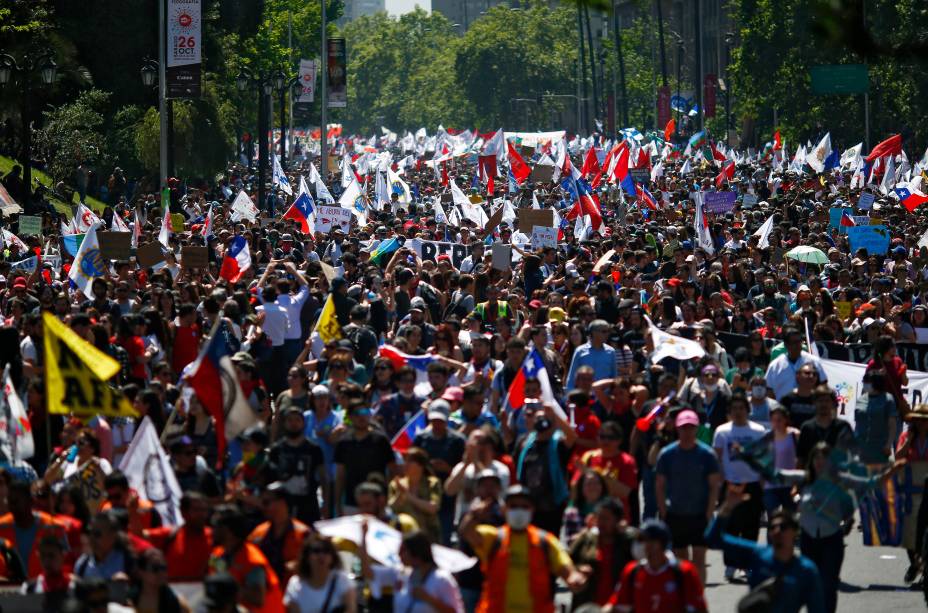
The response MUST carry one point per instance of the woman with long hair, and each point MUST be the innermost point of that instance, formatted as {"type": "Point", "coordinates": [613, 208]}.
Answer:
{"type": "Point", "coordinates": [446, 344]}
{"type": "Point", "coordinates": [382, 384]}
{"type": "Point", "coordinates": [586, 492]}
{"type": "Point", "coordinates": [151, 592]}
{"type": "Point", "coordinates": [418, 493]}
{"type": "Point", "coordinates": [418, 584]}
{"type": "Point", "coordinates": [320, 585]}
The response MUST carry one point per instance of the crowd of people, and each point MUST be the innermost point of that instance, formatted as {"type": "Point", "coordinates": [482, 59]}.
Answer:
{"type": "Point", "coordinates": [583, 419]}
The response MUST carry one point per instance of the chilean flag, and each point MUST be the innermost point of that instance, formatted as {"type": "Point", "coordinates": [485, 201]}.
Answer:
{"type": "Point", "coordinates": [590, 164]}
{"type": "Point", "coordinates": [300, 211]}
{"type": "Point", "coordinates": [532, 368]}
{"type": "Point", "coordinates": [207, 228]}
{"type": "Point", "coordinates": [847, 221]}
{"type": "Point", "coordinates": [400, 359]}
{"type": "Point", "coordinates": [405, 437]}
{"type": "Point", "coordinates": [727, 174]}
{"type": "Point", "coordinates": [237, 260]}
{"type": "Point", "coordinates": [911, 198]}
{"type": "Point", "coordinates": [646, 198]}
{"type": "Point", "coordinates": [623, 177]}
{"type": "Point", "coordinates": [212, 378]}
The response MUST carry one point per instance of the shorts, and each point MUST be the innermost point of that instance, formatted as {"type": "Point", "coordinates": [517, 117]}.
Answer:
{"type": "Point", "coordinates": [687, 530]}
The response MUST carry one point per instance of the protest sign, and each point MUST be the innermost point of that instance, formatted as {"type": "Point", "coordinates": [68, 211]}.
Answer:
{"type": "Point", "coordinates": [844, 308]}
{"type": "Point", "coordinates": [529, 218]}
{"type": "Point", "coordinates": [149, 255]}
{"type": "Point", "coordinates": [834, 217]}
{"type": "Point", "coordinates": [862, 220]}
{"type": "Point", "coordinates": [330, 217]}
{"type": "Point", "coordinates": [430, 250]}
{"type": "Point", "coordinates": [846, 378]}
{"type": "Point", "coordinates": [29, 264]}
{"type": "Point", "coordinates": [875, 239]}
{"type": "Point", "coordinates": [865, 201]}
{"type": "Point", "coordinates": [495, 218]}
{"type": "Point", "coordinates": [544, 237]}
{"type": "Point", "coordinates": [640, 175]}
{"type": "Point", "coordinates": [502, 256]}
{"type": "Point", "coordinates": [720, 202]}
{"type": "Point", "coordinates": [177, 222]}
{"type": "Point", "coordinates": [30, 225]}
{"type": "Point", "coordinates": [244, 208]}
{"type": "Point", "coordinates": [115, 245]}
{"type": "Point", "coordinates": [194, 257]}
{"type": "Point", "coordinates": [541, 173]}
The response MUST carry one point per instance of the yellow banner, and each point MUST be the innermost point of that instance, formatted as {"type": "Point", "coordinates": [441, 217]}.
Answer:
{"type": "Point", "coordinates": [76, 375]}
{"type": "Point", "coordinates": [327, 326]}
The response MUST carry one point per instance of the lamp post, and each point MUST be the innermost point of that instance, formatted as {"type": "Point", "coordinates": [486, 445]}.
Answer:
{"type": "Point", "coordinates": [679, 39]}
{"type": "Point", "coordinates": [265, 86]}
{"type": "Point", "coordinates": [22, 72]}
{"type": "Point", "coordinates": [150, 73]}
{"type": "Point", "coordinates": [282, 85]}
{"type": "Point", "coordinates": [729, 41]}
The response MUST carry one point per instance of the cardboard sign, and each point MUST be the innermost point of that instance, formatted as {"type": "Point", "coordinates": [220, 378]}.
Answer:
{"type": "Point", "coordinates": [30, 225]}
{"type": "Point", "coordinates": [529, 218]}
{"type": "Point", "coordinates": [875, 239]}
{"type": "Point", "coordinates": [720, 202]}
{"type": "Point", "coordinates": [115, 245]}
{"type": "Point", "coordinates": [865, 201]}
{"type": "Point", "coordinates": [502, 256]}
{"type": "Point", "coordinates": [748, 201]}
{"type": "Point", "coordinates": [329, 217]}
{"type": "Point", "coordinates": [544, 237]}
{"type": "Point", "coordinates": [149, 255]}
{"type": "Point", "coordinates": [495, 218]}
{"type": "Point", "coordinates": [641, 176]}
{"type": "Point", "coordinates": [447, 198]}
{"type": "Point", "coordinates": [526, 152]}
{"type": "Point", "coordinates": [194, 257]}
{"type": "Point", "coordinates": [541, 173]}
{"type": "Point", "coordinates": [328, 271]}
{"type": "Point", "coordinates": [863, 220]}
{"type": "Point", "coordinates": [177, 222]}
{"type": "Point", "coordinates": [843, 307]}
{"type": "Point", "coordinates": [430, 250]}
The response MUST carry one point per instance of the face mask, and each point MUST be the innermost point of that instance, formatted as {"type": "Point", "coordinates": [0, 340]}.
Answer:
{"type": "Point", "coordinates": [638, 550]}
{"type": "Point", "coordinates": [541, 425]}
{"type": "Point", "coordinates": [518, 519]}
{"type": "Point", "coordinates": [758, 391]}
{"type": "Point", "coordinates": [710, 387]}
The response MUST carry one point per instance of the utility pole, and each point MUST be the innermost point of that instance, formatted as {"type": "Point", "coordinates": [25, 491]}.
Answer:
{"type": "Point", "coordinates": [589, 38]}
{"type": "Point", "coordinates": [620, 55]}
{"type": "Point", "coordinates": [582, 61]}
{"type": "Point", "coordinates": [697, 78]}
{"type": "Point", "coordinates": [323, 129]}
{"type": "Point", "coordinates": [162, 95]}
{"type": "Point", "coordinates": [660, 36]}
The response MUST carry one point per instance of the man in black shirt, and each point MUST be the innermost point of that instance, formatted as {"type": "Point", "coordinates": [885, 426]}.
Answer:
{"type": "Point", "coordinates": [445, 448]}
{"type": "Point", "coordinates": [190, 477]}
{"type": "Point", "coordinates": [297, 462]}
{"type": "Point", "coordinates": [825, 426]}
{"type": "Point", "coordinates": [361, 451]}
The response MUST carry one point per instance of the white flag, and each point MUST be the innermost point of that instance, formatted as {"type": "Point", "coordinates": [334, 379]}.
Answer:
{"type": "Point", "coordinates": [816, 158]}
{"type": "Point", "coordinates": [84, 218]}
{"type": "Point", "coordinates": [18, 428]}
{"type": "Point", "coordinates": [88, 264]}
{"type": "Point", "coordinates": [118, 224]}
{"type": "Point", "coordinates": [888, 184]}
{"type": "Point", "coordinates": [763, 233]}
{"type": "Point", "coordinates": [669, 346]}
{"type": "Point", "coordinates": [353, 200]}
{"type": "Point", "coordinates": [703, 237]}
{"type": "Point", "coordinates": [150, 473]}
{"type": "Point", "coordinates": [279, 177]}
{"type": "Point", "coordinates": [164, 236]}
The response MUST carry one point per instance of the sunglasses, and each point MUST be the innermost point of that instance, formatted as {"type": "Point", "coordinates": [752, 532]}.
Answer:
{"type": "Point", "coordinates": [382, 368]}
{"type": "Point", "coordinates": [318, 551]}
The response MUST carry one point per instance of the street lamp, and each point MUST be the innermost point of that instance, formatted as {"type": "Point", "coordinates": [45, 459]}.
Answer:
{"type": "Point", "coordinates": [263, 84]}
{"type": "Point", "coordinates": [282, 85]}
{"type": "Point", "coordinates": [47, 70]}
{"type": "Point", "coordinates": [729, 41]}
{"type": "Point", "coordinates": [150, 73]}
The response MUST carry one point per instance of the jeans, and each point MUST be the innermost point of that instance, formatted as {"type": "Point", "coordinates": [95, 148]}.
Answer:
{"type": "Point", "coordinates": [828, 554]}
{"type": "Point", "coordinates": [292, 349]}
{"type": "Point", "coordinates": [776, 497]}
{"type": "Point", "coordinates": [744, 521]}
{"type": "Point", "coordinates": [647, 489]}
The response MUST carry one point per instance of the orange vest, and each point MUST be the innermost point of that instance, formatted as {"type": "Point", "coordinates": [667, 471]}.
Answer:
{"type": "Point", "coordinates": [46, 526]}
{"type": "Point", "coordinates": [293, 540]}
{"type": "Point", "coordinates": [496, 569]}
{"type": "Point", "coordinates": [247, 557]}
{"type": "Point", "coordinates": [139, 516]}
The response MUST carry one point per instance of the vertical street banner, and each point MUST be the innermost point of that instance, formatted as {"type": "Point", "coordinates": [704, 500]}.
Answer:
{"type": "Point", "coordinates": [183, 68]}
{"type": "Point", "coordinates": [709, 83]}
{"type": "Point", "coordinates": [303, 104]}
{"type": "Point", "coordinates": [663, 106]}
{"type": "Point", "coordinates": [337, 73]}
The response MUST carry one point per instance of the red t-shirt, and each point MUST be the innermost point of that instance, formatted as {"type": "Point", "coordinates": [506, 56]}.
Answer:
{"type": "Point", "coordinates": [186, 553]}
{"type": "Point", "coordinates": [621, 467]}
{"type": "Point", "coordinates": [186, 347]}
{"type": "Point", "coordinates": [658, 592]}
{"type": "Point", "coordinates": [135, 347]}
{"type": "Point", "coordinates": [605, 586]}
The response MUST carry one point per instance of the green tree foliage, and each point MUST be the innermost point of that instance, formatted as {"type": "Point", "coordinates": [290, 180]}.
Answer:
{"type": "Point", "coordinates": [74, 134]}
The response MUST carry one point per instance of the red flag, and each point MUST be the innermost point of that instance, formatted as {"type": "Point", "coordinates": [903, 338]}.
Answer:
{"type": "Point", "coordinates": [716, 154]}
{"type": "Point", "coordinates": [590, 164]}
{"type": "Point", "coordinates": [777, 143]}
{"type": "Point", "coordinates": [520, 169]}
{"type": "Point", "coordinates": [846, 221]}
{"type": "Point", "coordinates": [669, 129]}
{"type": "Point", "coordinates": [890, 146]}
{"type": "Point", "coordinates": [727, 174]}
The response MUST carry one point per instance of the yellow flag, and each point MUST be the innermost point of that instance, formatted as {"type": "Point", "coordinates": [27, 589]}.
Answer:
{"type": "Point", "coordinates": [327, 326]}
{"type": "Point", "coordinates": [76, 375]}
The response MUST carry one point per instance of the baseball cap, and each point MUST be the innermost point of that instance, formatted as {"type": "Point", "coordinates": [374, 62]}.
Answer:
{"type": "Point", "coordinates": [417, 303]}
{"type": "Point", "coordinates": [687, 417]}
{"type": "Point", "coordinates": [453, 394]}
{"type": "Point", "coordinates": [439, 409]}
{"type": "Point", "coordinates": [556, 314]}
{"type": "Point", "coordinates": [320, 390]}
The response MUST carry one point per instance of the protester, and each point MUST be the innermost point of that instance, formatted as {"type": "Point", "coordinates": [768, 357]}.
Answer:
{"type": "Point", "coordinates": [319, 584]}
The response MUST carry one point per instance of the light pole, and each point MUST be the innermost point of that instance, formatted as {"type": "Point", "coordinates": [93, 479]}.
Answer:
{"type": "Point", "coordinates": [324, 128]}
{"type": "Point", "coordinates": [48, 72]}
{"type": "Point", "coordinates": [150, 72]}
{"type": "Point", "coordinates": [729, 40]}
{"type": "Point", "coordinates": [265, 87]}
{"type": "Point", "coordinates": [679, 39]}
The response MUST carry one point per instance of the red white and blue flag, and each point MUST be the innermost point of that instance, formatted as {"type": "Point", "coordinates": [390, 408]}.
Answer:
{"type": "Point", "coordinates": [847, 221]}
{"type": "Point", "coordinates": [911, 198]}
{"type": "Point", "coordinates": [212, 378]}
{"type": "Point", "coordinates": [647, 199]}
{"type": "Point", "coordinates": [207, 228]}
{"type": "Point", "coordinates": [622, 176]}
{"type": "Point", "coordinates": [400, 359]}
{"type": "Point", "coordinates": [405, 437]}
{"type": "Point", "coordinates": [236, 261]}
{"type": "Point", "coordinates": [532, 368]}
{"type": "Point", "coordinates": [301, 211]}
{"type": "Point", "coordinates": [585, 202]}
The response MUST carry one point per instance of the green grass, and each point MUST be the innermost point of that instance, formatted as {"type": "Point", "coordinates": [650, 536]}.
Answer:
{"type": "Point", "coordinates": [6, 164]}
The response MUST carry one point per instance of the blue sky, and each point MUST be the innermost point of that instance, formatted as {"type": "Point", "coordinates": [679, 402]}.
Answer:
{"type": "Point", "coordinates": [398, 7]}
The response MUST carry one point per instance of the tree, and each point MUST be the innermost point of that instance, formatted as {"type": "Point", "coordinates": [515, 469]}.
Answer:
{"type": "Point", "coordinates": [73, 134]}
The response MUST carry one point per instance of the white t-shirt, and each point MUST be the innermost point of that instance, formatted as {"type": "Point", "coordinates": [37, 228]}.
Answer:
{"type": "Point", "coordinates": [737, 471]}
{"type": "Point", "coordinates": [293, 305]}
{"type": "Point", "coordinates": [310, 599]}
{"type": "Point", "coordinates": [276, 322]}
{"type": "Point", "coordinates": [439, 583]}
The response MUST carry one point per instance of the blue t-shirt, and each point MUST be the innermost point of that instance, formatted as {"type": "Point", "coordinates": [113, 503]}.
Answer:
{"type": "Point", "coordinates": [687, 473]}
{"type": "Point", "coordinates": [319, 432]}
{"type": "Point", "coordinates": [25, 539]}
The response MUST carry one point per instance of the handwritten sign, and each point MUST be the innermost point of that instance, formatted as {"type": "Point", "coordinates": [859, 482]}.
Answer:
{"type": "Point", "coordinates": [149, 255]}
{"type": "Point", "coordinates": [865, 201]}
{"type": "Point", "coordinates": [529, 218]}
{"type": "Point", "coordinates": [875, 239]}
{"type": "Point", "coordinates": [115, 245]}
{"type": "Point", "coordinates": [331, 217]}
{"type": "Point", "coordinates": [430, 250]}
{"type": "Point", "coordinates": [30, 225]}
{"type": "Point", "coordinates": [502, 256]}
{"type": "Point", "coordinates": [544, 237]}
{"type": "Point", "coordinates": [720, 202]}
{"type": "Point", "coordinates": [192, 256]}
